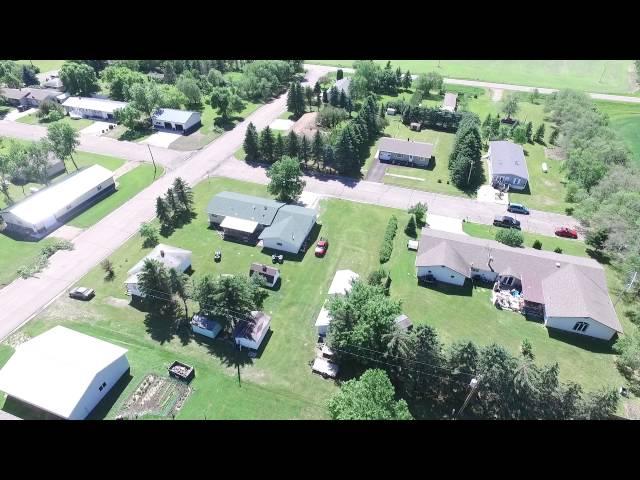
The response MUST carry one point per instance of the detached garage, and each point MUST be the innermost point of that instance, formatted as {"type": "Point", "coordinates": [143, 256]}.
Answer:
{"type": "Point", "coordinates": [63, 372]}
{"type": "Point", "coordinates": [178, 121]}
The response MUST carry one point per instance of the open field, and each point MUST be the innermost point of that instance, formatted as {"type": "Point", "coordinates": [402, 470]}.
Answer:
{"type": "Point", "coordinates": [44, 65]}
{"type": "Point", "coordinates": [278, 383]}
{"type": "Point", "coordinates": [624, 118]}
{"type": "Point", "coordinates": [601, 76]}
{"type": "Point", "coordinates": [77, 124]}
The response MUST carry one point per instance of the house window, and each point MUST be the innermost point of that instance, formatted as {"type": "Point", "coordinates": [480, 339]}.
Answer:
{"type": "Point", "coordinates": [581, 326]}
{"type": "Point", "coordinates": [453, 276]}
{"type": "Point", "coordinates": [279, 244]}
{"type": "Point", "coordinates": [100, 388]}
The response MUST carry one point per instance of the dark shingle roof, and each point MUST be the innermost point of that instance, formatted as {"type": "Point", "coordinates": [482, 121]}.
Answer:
{"type": "Point", "coordinates": [396, 145]}
{"type": "Point", "coordinates": [14, 93]}
{"type": "Point", "coordinates": [507, 158]}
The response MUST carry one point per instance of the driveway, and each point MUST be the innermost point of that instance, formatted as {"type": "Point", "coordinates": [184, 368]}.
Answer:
{"type": "Point", "coordinates": [376, 172]}
{"type": "Point", "coordinates": [162, 139]}
{"type": "Point", "coordinates": [96, 128]}
{"type": "Point", "coordinates": [446, 224]}
{"type": "Point", "coordinates": [281, 124]}
{"type": "Point", "coordinates": [14, 114]}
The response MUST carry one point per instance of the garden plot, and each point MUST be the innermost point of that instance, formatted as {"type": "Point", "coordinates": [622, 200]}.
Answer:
{"type": "Point", "coordinates": [157, 396]}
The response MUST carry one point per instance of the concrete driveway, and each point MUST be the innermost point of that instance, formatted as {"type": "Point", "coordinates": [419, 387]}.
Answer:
{"type": "Point", "coordinates": [281, 124]}
{"type": "Point", "coordinates": [96, 128]}
{"type": "Point", "coordinates": [14, 114]}
{"type": "Point", "coordinates": [446, 224]}
{"type": "Point", "coordinates": [162, 139]}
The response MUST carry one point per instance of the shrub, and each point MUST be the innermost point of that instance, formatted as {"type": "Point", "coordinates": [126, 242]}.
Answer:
{"type": "Point", "coordinates": [50, 111]}
{"type": "Point", "coordinates": [107, 266]}
{"type": "Point", "coordinates": [537, 244]}
{"type": "Point", "coordinates": [330, 116]}
{"type": "Point", "coordinates": [41, 262]}
{"type": "Point", "coordinates": [387, 242]}
{"type": "Point", "coordinates": [510, 237]}
{"type": "Point", "coordinates": [557, 250]}
{"type": "Point", "coordinates": [410, 229]}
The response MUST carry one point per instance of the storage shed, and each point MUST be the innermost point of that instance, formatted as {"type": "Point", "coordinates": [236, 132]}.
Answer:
{"type": "Point", "coordinates": [342, 282]}
{"type": "Point", "coordinates": [63, 372]}
{"type": "Point", "coordinates": [323, 321]}
{"type": "Point", "coordinates": [269, 274]}
{"type": "Point", "coordinates": [251, 332]}
{"type": "Point", "coordinates": [205, 326]}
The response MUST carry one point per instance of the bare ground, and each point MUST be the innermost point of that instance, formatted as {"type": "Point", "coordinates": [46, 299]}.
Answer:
{"type": "Point", "coordinates": [555, 153]}
{"type": "Point", "coordinates": [306, 125]}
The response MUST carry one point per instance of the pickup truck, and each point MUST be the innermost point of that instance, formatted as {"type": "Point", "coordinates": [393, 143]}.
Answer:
{"type": "Point", "coordinates": [506, 221]}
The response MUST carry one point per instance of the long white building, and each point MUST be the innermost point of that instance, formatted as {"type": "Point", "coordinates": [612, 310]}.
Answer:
{"type": "Point", "coordinates": [39, 214]}
{"type": "Point", "coordinates": [89, 107]}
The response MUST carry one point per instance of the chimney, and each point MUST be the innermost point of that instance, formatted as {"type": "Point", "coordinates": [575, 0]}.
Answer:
{"type": "Point", "coordinates": [162, 253]}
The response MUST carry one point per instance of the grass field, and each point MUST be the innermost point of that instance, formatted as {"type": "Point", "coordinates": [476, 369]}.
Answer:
{"type": "Point", "coordinates": [278, 383]}
{"type": "Point", "coordinates": [44, 65]}
{"type": "Point", "coordinates": [129, 185]}
{"type": "Point", "coordinates": [77, 124]}
{"type": "Point", "coordinates": [625, 119]}
{"type": "Point", "coordinates": [602, 76]}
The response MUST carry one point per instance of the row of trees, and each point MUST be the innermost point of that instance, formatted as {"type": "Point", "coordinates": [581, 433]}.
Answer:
{"type": "Point", "coordinates": [371, 78]}
{"type": "Point", "coordinates": [437, 378]}
{"type": "Point", "coordinates": [429, 117]}
{"type": "Point", "coordinates": [465, 164]}
{"type": "Point", "coordinates": [16, 75]}
{"type": "Point", "coordinates": [270, 148]}
{"type": "Point", "coordinates": [494, 129]}
{"type": "Point", "coordinates": [176, 207]}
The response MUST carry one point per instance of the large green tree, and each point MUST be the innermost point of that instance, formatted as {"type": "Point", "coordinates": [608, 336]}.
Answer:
{"type": "Point", "coordinates": [120, 79]}
{"type": "Point", "coordinates": [251, 145]}
{"type": "Point", "coordinates": [285, 179]}
{"type": "Point", "coordinates": [227, 101]}
{"type": "Point", "coordinates": [267, 145]}
{"type": "Point", "coordinates": [79, 79]}
{"type": "Point", "coordinates": [63, 140]}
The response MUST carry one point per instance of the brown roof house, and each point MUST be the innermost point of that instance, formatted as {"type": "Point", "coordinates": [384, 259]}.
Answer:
{"type": "Point", "coordinates": [569, 292]}
{"type": "Point", "coordinates": [405, 152]}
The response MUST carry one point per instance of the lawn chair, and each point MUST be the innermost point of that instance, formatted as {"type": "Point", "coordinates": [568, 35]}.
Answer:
{"type": "Point", "coordinates": [217, 256]}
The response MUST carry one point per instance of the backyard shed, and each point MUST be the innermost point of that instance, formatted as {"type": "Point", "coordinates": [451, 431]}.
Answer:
{"type": "Point", "coordinates": [63, 372]}
{"type": "Point", "coordinates": [205, 326]}
{"type": "Point", "coordinates": [44, 211]}
{"type": "Point", "coordinates": [179, 121]}
{"type": "Point", "coordinates": [450, 101]}
{"type": "Point", "coordinates": [323, 321]}
{"type": "Point", "coordinates": [416, 126]}
{"type": "Point", "coordinates": [403, 322]}
{"type": "Point", "coordinates": [251, 332]}
{"type": "Point", "coordinates": [170, 257]}
{"type": "Point", "coordinates": [342, 282]}
{"type": "Point", "coordinates": [269, 274]}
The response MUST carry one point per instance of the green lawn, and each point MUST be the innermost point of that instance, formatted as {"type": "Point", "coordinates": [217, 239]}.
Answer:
{"type": "Point", "coordinates": [122, 133]}
{"type": "Point", "coordinates": [603, 76]}
{"type": "Point", "coordinates": [77, 124]}
{"type": "Point", "coordinates": [625, 119]}
{"type": "Point", "coordinates": [128, 186]}
{"type": "Point", "coordinates": [278, 384]}
{"type": "Point", "coordinates": [15, 254]}
{"type": "Point", "coordinates": [44, 65]}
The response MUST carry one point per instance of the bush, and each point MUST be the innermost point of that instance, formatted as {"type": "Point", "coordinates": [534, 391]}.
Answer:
{"type": "Point", "coordinates": [510, 237]}
{"type": "Point", "coordinates": [41, 262]}
{"type": "Point", "coordinates": [557, 250]}
{"type": "Point", "coordinates": [387, 243]}
{"type": "Point", "coordinates": [410, 229]}
{"type": "Point", "coordinates": [330, 116]}
{"type": "Point", "coordinates": [537, 244]}
{"type": "Point", "coordinates": [50, 111]}
{"type": "Point", "coordinates": [107, 266]}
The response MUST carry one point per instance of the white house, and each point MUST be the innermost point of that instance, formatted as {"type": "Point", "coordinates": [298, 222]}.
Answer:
{"type": "Point", "coordinates": [450, 102]}
{"type": "Point", "coordinates": [507, 165]}
{"type": "Point", "coordinates": [179, 121]}
{"type": "Point", "coordinates": [250, 333]}
{"type": "Point", "coordinates": [90, 107]}
{"type": "Point", "coordinates": [170, 257]}
{"type": "Point", "coordinates": [63, 372]}
{"type": "Point", "coordinates": [44, 211]}
{"type": "Point", "coordinates": [289, 229]}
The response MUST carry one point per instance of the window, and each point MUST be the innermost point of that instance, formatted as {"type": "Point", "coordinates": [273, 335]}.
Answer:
{"type": "Point", "coordinates": [99, 187]}
{"type": "Point", "coordinates": [581, 326]}
{"type": "Point", "coordinates": [279, 244]}
{"type": "Point", "coordinates": [453, 276]}
{"type": "Point", "coordinates": [100, 388]}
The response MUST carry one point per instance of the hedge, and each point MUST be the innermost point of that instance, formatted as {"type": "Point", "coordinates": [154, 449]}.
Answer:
{"type": "Point", "coordinates": [387, 242]}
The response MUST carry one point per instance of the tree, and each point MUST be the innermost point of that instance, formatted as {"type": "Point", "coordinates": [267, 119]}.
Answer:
{"type": "Point", "coordinates": [410, 229]}
{"type": "Point", "coordinates": [128, 116]}
{"type": "Point", "coordinates": [37, 158]}
{"type": "Point", "coordinates": [227, 101]}
{"type": "Point", "coordinates": [519, 135]}
{"type": "Point", "coordinates": [554, 136]}
{"type": "Point", "coordinates": [63, 140]}
{"type": "Point", "coordinates": [145, 97]}
{"type": "Point", "coordinates": [406, 80]}
{"type": "Point", "coordinates": [305, 150]}
{"type": "Point", "coordinates": [79, 79]}
{"type": "Point", "coordinates": [510, 236]}
{"type": "Point", "coordinates": [189, 87]}
{"type": "Point", "coordinates": [597, 238]}
{"type": "Point", "coordinates": [510, 106]}
{"type": "Point", "coordinates": [6, 169]}
{"type": "Point", "coordinates": [628, 361]}
{"type": "Point", "coordinates": [29, 75]}
{"type": "Point", "coordinates": [293, 145]}
{"type": "Point", "coordinates": [250, 145]}
{"type": "Point", "coordinates": [533, 97]}
{"type": "Point", "coordinates": [334, 97]}
{"type": "Point", "coordinates": [164, 213]}
{"type": "Point", "coordinates": [339, 74]}
{"type": "Point", "coordinates": [267, 145]}
{"type": "Point", "coordinates": [10, 74]}
{"type": "Point", "coordinates": [120, 79]}
{"type": "Point", "coordinates": [149, 234]}
{"type": "Point", "coordinates": [420, 212]}
{"type": "Point", "coordinates": [529, 132]}
{"type": "Point", "coordinates": [317, 89]}
{"type": "Point", "coordinates": [296, 100]}
{"type": "Point", "coordinates": [50, 111]}
{"type": "Point", "coordinates": [325, 97]}
{"type": "Point", "coordinates": [107, 266]}
{"type": "Point", "coordinates": [537, 244]}
{"type": "Point", "coordinates": [278, 147]}
{"type": "Point", "coordinates": [308, 93]}
{"type": "Point", "coordinates": [215, 78]}
{"type": "Point", "coordinates": [398, 77]}
{"type": "Point", "coordinates": [539, 136]}
{"type": "Point", "coordinates": [184, 196]}
{"type": "Point", "coordinates": [600, 405]}
{"type": "Point", "coordinates": [285, 179]}
{"type": "Point", "coordinates": [371, 397]}
{"type": "Point", "coordinates": [154, 283]}
{"type": "Point", "coordinates": [317, 147]}
{"type": "Point", "coordinates": [180, 287]}
{"type": "Point", "coordinates": [557, 250]}
{"type": "Point", "coordinates": [429, 81]}
{"type": "Point", "coordinates": [399, 343]}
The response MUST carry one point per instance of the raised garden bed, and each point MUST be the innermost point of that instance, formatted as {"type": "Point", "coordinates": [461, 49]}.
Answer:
{"type": "Point", "coordinates": [181, 371]}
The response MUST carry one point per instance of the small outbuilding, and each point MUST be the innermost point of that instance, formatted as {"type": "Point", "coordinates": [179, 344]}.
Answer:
{"type": "Point", "coordinates": [178, 121]}
{"type": "Point", "coordinates": [391, 111]}
{"type": "Point", "coordinates": [203, 325]}
{"type": "Point", "coordinates": [404, 322]}
{"type": "Point", "coordinates": [450, 102]}
{"type": "Point", "coordinates": [413, 245]}
{"type": "Point", "coordinates": [342, 282]}
{"type": "Point", "coordinates": [323, 321]}
{"type": "Point", "coordinates": [63, 372]}
{"type": "Point", "coordinates": [251, 332]}
{"type": "Point", "coordinates": [269, 274]}
{"type": "Point", "coordinates": [415, 126]}
{"type": "Point", "coordinates": [324, 367]}
{"type": "Point", "coordinates": [170, 257]}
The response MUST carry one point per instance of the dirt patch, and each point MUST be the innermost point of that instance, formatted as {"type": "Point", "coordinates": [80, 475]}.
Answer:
{"type": "Point", "coordinates": [306, 125]}
{"type": "Point", "coordinates": [496, 94]}
{"type": "Point", "coordinates": [117, 302]}
{"type": "Point", "coordinates": [16, 339]}
{"type": "Point", "coordinates": [632, 410]}
{"type": "Point", "coordinates": [155, 395]}
{"type": "Point", "coordinates": [556, 153]}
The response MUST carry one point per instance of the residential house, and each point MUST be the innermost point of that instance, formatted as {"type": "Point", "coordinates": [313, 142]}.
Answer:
{"type": "Point", "coordinates": [568, 292]}
{"type": "Point", "coordinates": [408, 153]}
{"type": "Point", "coordinates": [55, 167]}
{"type": "Point", "coordinates": [178, 121]}
{"type": "Point", "coordinates": [203, 325]}
{"type": "Point", "coordinates": [17, 97]}
{"type": "Point", "coordinates": [41, 213]}
{"type": "Point", "coordinates": [507, 165]}
{"type": "Point", "coordinates": [249, 219]}
{"type": "Point", "coordinates": [92, 108]}
{"type": "Point", "coordinates": [341, 85]}
{"type": "Point", "coordinates": [170, 257]}
{"type": "Point", "coordinates": [39, 95]}
{"type": "Point", "coordinates": [341, 284]}
{"type": "Point", "coordinates": [450, 102]}
{"type": "Point", "coordinates": [63, 372]}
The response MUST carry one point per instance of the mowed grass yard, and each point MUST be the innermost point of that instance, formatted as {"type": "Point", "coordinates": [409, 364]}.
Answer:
{"type": "Point", "coordinates": [602, 76]}
{"type": "Point", "coordinates": [625, 119]}
{"type": "Point", "coordinates": [76, 124]}
{"type": "Point", "coordinates": [279, 384]}
{"type": "Point", "coordinates": [44, 65]}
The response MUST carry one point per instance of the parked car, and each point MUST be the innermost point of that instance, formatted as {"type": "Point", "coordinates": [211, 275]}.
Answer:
{"type": "Point", "coordinates": [321, 247]}
{"type": "Point", "coordinates": [506, 221]}
{"type": "Point", "coordinates": [517, 208]}
{"type": "Point", "coordinates": [566, 232]}
{"type": "Point", "coordinates": [82, 293]}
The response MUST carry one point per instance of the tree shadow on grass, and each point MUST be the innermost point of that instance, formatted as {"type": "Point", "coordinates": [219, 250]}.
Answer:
{"type": "Point", "coordinates": [101, 410]}
{"type": "Point", "coordinates": [163, 321]}
{"type": "Point", "coordinates": [132, 135]}
{"type": "Point", "coordinates": [599, 256]}
{"type": "Point", "coordinates": [224, 348]}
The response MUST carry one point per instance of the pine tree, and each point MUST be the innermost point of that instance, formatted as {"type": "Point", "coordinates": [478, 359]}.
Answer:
{"type": "Point", "coordinates": [339, 74]}
{"type": "Point", "coordinates": [529, 131]}
{"type": "Point", "coordinates": [382, 110]}
{"type": "Point", "coordinates": [251, 145]}
{"type": "Point", "coordinates": [334, 96]}
{"type": "Point", "coordinates": [328, 157]}
{"type": "Point", "coordinates": [317, 147]}
{"type": "Point", "coordinates": [318, 101]}
{"type": "Point", "coordinates": [398, 77]}
{"type": "Point", "coordinates": [172, 202]}
{"type": "Point", "coordinates": [388, 66]}
{"type": "Point", "coordinates": [308, 93]}
{"type": "Point", "coordinates": [266, 145]}
{"type": "Point", "coordinates": [554, 136]}
{"type": "Point", "coordinates": [163, 212]}
{"type": "Point", "coordinates": [487, 120]}
{"type": "Point", "coordinates": [183, 194]}
{"type": "Point", "coordinates": [539, 136]}
{"type": "Point", "coordinates": [291, 98]}
{"type": "Point", "coordinates": [304, 150]}
{"type": "Point", "coordinates": [278, 148]}
{"type": "Point", "coordinates": [406, 80]}
{"type": "Point", "coordinates": [342, 102]}
{"type": "Point", "coordinates": [300, 101]}
{"type": "Point", "coordinates": [317, 89]}
{"type": "Point", "coordinates": [292, 146]}
{"type": "Point", "coordinates": [325, 97]}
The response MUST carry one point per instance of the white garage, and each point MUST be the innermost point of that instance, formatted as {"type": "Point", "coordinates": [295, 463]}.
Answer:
{"type": "Point", "coordinates": [63, 372]}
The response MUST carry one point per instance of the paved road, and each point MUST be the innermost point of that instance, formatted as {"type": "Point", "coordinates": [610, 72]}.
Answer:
{"type": "Point", "coordinates": [517, 88]}
{"type": "Point", "coordinates": [398, 197]}
{"type": "Point", "coordinates": [23, 299]}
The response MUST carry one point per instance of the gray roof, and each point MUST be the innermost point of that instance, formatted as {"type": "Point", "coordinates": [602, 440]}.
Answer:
{"type": "Point", "coordinates": [507, 158]}
{"type": "Point", "coordinates": [247, 207]}
{"type": "Point", "coordinates": [292, 223]}
{"type": "Point", "coordinates": [41, 94]}
{"type": "Point", "coordinates": [566, 285]}
{"type": "Point", "coordinates": [252, 329]}
{"type": "Point", "coordinates": [450, 100]}
{"type": "Point", "coordinates": [14, 93]}
{"type": "Point", "coordinates": [172, 115]}
{"type": "Point", "coordinates": [403, 322]}
{"type": "Point", "coordinates": [396, 145]}
{"type": "Point", "coordinates": [343, 84]}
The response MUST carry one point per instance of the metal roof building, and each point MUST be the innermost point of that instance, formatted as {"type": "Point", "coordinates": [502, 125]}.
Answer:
{"type": "Point", "coordinates": [179, 121]}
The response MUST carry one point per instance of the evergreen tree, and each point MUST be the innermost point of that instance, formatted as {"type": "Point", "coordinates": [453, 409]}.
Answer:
{"type": "Point", "coordinates": [278, 148]}
{"type": "Point", "coordinates": [292, 145]}
{"type": "Point", "coordinates": [267, 145]}
{"type": "Point", "coordinates": [554, 136]}
{"type": "Point", "coordinates": [398, 77]}
{"type": "Point", "coordinates": [328, 157]}
{"type": "Point", "coordinates": [529, 131]}
{"type": "Point", "coordinates": [308, 93]}
{"type": "Point", "coordinates": [342, 102]}
{"type": "Point", "coordinates": [184, 195]}
{"type": "Point", "coordinates": [349, 105]}
{"type": "Point", "coordinates": [334, 96]}
{"type": "Point", "coordinates": [317, 147]}
{"type": "Point", "coordinates": [339, 74]}
{"type": "Point", "coordinates": [410, 229]}
{"type": "Point", "coordinates": [163, 212]}
{"type": "Point", "coordinates": [325, 98]}
{"type": "Point", "coordinates": [292, 98]}
{"type": "Point", "coordinates": [172, 202]}
{"type": "Point", "coordinates": [251, 143]}
{"type": "Point", "coordinates": [487, 120]}
{"type": "Point", "coordinates": [539, 136]}
{"type": "Point", "coordinates": [300, 101]}
{"type": "Point", "coordinates": [317, 89]}
{"type": "Point", "coordinates": [304, 150]}
{"type": "Point", "coordinates": [388, 65]}
{"type": "Point", "coordinates": [318, 101]}
{"type": "Point", "coordinates": [406, 80]}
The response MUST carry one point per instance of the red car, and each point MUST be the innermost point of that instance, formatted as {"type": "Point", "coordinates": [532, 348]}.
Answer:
{"type": "Point", "coordinates": [566, 232]}
{"type": "Point", "coordinates": [321, 247]}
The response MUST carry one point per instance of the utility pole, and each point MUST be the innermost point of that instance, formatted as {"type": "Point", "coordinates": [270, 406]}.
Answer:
{"type": "Point", "coordinates": [627, 288]}
{"type": "Point", "coordinates": [475, 383]}
{"type": "Point", "coordinates": [153, 160]}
